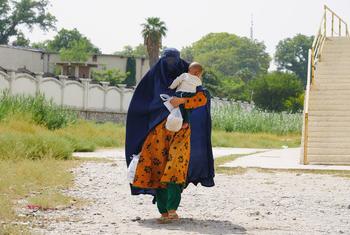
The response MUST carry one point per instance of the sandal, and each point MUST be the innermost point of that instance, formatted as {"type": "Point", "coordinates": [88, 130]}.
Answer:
{"type": "Point", "coordinates": [163, 220]}
{"type": "Point", "coordinates": [173, 216]}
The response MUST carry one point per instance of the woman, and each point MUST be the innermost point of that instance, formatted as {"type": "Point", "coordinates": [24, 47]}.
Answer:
{"type": "Point", "coordinates": [188, 152]}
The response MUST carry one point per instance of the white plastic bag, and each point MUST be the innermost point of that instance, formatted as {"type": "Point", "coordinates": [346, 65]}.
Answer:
{"type": "Point", "coordinates": [132, 168]}
{"type": "Point", "coordinates": [174, 120]}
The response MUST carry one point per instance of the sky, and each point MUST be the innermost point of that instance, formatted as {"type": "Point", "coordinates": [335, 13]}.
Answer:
{"type": "Point", "coordinates": [112, 24]}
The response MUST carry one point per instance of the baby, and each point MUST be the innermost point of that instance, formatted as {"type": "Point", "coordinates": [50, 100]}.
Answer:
{"type": "Point", "coordinates": [186, 86]}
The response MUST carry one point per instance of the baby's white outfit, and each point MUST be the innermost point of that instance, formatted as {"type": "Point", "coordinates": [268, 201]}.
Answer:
{"type": "Point", "coordinates": [186, 83]}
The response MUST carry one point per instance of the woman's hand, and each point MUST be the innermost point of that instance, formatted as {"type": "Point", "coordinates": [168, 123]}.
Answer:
{"type": "Point", "coordinates": [176, 101]}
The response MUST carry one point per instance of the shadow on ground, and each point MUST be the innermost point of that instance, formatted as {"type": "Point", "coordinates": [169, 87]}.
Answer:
{"type": "Point", "coordinates": [196, 225]}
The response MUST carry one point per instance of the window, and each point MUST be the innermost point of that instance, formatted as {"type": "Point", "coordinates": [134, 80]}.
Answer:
{"type": "Point", "coordinates": [94, 58]}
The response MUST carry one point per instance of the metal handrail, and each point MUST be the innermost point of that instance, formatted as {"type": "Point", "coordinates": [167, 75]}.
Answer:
{"type": "Point", "coordinates": [306, 107]}
{"type": "Point", "coordinates": [315, 56]}
{"type": "Point", "coordinates": [321, 34]}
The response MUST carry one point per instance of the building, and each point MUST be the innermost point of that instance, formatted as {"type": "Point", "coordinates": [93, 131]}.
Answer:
{"type": "Point", "coordinates": [38, 61]}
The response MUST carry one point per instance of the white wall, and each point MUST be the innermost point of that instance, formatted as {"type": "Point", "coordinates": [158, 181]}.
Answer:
{"type": "Point", "coordinates": [12, 58]}
{"type": "Point", "coordinates": [79, 95]}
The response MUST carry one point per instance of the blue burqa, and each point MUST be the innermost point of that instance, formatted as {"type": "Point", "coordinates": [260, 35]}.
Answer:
{"type": "Point", "coordinates": [147, 110]}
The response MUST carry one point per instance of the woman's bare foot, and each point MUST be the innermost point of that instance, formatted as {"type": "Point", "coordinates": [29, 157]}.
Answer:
{"type": "Point", "coordinates": [185, 125]}
{"type": "Point", "coordinates": [163, 218]}
{"type": "Point", "coordinates": [172, 215]}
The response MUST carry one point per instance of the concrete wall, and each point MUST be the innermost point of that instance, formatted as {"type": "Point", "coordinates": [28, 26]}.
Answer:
{"type": "Point", "coordinates": [77, 95]}
{"type": "Point", "coordinates": [14, 58]}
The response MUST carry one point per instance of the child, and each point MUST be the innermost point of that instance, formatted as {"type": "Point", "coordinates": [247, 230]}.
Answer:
{"type": "Point", "coordinates": [186, 86]}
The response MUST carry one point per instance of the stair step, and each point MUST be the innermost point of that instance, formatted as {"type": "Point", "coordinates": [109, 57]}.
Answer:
{"type": "Point", "coordinates": [322, 134]}
{"type": "Point", "coordinates": [329, 86]}
{"type": "Point", "coordinates": [328, 96]}
{"type": "Point", "coordinates": [329, 151]}
{"type": "Point", "coordinates": [332, 80]}
{"type": "Point", "coordinates": [325, 62]}
{"type": "Point", "coordinates": [330, 113]}
{"type": "Point", "coordinates": [337, 44]}
{"type": "Point", "coordinates": [324, 119]}
{"type": "Point", "coordinates": [328, 102]}
{"type": "Point", "coordinates": [328, 145]}
{"type": "Point", "coordinates": [328, 119]}
{"type": "Point", "coordinates": [339, 49]}
{"type": "Point", "coordinates": [336, 129]}
{"type": "Point", "coordinates": [321, 107]}
{"type": "Point", "coordinates": [337, 38]}
{"type": "Point", "coordinates": [333, 60]}
{"type": "Point", "coordinates": [335, 69]}
{"type": "Point", "coordinates": [326, 65]}
{"type": "Point", "coordinates": [316, 124]}
{"type": "Point", "coordinates": [328, 159]}
{"type": "Point", "coordinates": [329, 140]}
{"type": "Point", "coordinates": [329, 72]}
{"type": "Point", "coordinates": [330, 92]}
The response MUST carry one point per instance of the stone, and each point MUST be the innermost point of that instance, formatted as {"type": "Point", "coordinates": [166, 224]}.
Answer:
{"type": "Point", "coordinates": [136, 219]}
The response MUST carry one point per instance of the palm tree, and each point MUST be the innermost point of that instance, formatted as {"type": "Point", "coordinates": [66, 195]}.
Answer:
{"type": "Point", "coordinates": [153, 31]}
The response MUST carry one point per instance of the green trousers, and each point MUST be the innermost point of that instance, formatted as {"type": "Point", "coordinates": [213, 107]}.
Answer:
{"type": "Point", "coordinates": [168, 198]}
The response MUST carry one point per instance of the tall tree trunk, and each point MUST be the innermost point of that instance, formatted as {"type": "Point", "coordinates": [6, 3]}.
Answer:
{"type": "Point", "coordinates": [153, 52]}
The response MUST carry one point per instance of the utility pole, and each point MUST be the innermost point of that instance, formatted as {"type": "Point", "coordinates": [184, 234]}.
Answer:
{"type": "Point", "coordinates": [251, 28]}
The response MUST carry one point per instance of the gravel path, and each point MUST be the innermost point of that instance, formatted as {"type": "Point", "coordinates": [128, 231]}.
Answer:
{"type": "Point", "coordinates": [251, 203]}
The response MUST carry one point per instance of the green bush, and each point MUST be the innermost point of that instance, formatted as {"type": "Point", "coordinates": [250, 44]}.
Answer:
{"type": "Point", "coordinates": [271, 91]}
{"type": "Point", "coordinates": [113, 76]}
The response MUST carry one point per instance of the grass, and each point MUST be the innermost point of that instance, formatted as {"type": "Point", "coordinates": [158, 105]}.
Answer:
{"type": "Point", "coordinates": [228, 170]}
{"type": "Point", "coordinates": [240, 170]}
{"type": "Point", "coordinates": [40, 110]}
{"type": "Point", "coordinates": [14, 229]}
{"type": "Point", "coordinates": [253, 140]}
{"type": "Point", "coordinates": [87, 136]}
{"type": "Point", "coordinates": [38, 182]}
{"type": "Point", "coordinates": [51, 200]}
{"type": "Point", "coordinates": [233, 118]}
{"type": "Point", "coordinates": [37, 139]}
{"type": "Point", "coordinates": [21, 138]}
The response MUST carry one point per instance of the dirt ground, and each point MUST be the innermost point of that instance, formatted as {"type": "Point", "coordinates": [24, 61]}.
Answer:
{"type": "Point", "coordinates": [251, 203]}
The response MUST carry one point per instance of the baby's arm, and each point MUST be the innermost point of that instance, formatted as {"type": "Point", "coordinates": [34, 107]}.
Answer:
{"type": "Point", "coordinates": [177, 82]}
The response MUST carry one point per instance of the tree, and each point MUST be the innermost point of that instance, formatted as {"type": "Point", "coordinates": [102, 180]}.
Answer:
{"type": "Point", "coordinates": [129, 51]}
{"type": "Point", "coordinates": [65, 39]}
{"type": "Point", "coordinates": [276, 91]}
{"type": "Point", "coordinates": [229, 55]}
{"type": "Point", "coordinates": [212, 82]}
{"type": "Point", "coordinates": [140, 51]}
{"type": "Point", "coordinates": [21, 41]}
{"type": "Point", "coordinates": [40, 45]}
{"type": "Point", "coordinates": [130, 80]}
{"type": "Point", "coordinates": [113, 76]}
{"type": "Point", "coordinates": [77, 52]}
{"type": "Point", "coordinates": [152, 32]}
{"type": "Point", "coordinates": [187, 54]}
{"type": "Point", "coordinates": [292, 54]}
{"type": "Point", "coordinates": [224, 87]}
{"type": "Point", "coordinates": [15, 15]}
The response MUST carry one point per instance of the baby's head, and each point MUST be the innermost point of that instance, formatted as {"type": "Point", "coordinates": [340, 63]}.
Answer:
{"type": "Point", "coordinates": [195, 69]}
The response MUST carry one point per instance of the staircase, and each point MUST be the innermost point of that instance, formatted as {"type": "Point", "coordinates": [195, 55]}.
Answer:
{"type": "Point", "coordinates": [326, 129]}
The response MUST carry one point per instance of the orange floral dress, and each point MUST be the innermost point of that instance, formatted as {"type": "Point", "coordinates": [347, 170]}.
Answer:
{"type": "Point", "coordinates": [165, 155]}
